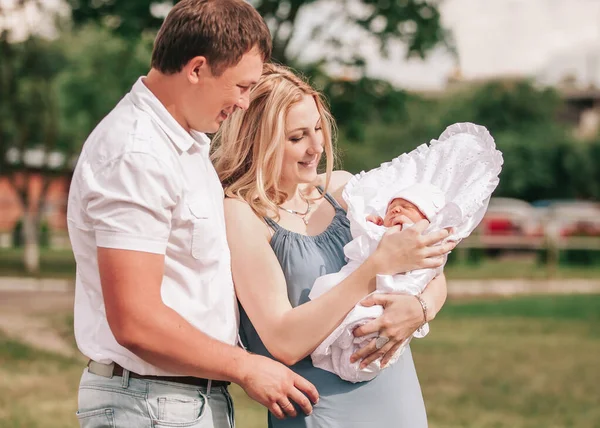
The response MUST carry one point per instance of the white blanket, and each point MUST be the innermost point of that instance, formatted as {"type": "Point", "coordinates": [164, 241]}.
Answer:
{"type": "Point", "coordinates": [465, 164]}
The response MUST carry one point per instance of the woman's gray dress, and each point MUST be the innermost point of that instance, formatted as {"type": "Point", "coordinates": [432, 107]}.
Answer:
{"type": "Point", "coordinates": [392, 399]}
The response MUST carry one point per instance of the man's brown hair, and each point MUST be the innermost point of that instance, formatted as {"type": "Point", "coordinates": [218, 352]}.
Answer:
{"type": "Point", "coordinates": [222, 31]}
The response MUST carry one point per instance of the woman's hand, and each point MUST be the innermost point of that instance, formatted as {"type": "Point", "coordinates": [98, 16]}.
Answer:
{"type": "Point", "coordinates": [402, 315]}
{"type": "Point", "coordinates": [404, 250]}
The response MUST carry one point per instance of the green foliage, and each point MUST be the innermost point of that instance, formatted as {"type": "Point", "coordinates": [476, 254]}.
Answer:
{"type": "Point", "coordinates": [44, 239]}
{"type": "Point", "coordinates": [101, 69]}
{"type": "Point", "coordinates": [54, 263]}
{"type": "Point", "coordinates": [127, 19]}
{"type": "Point", "coordinates": [53, 92]}
{"type": "Point", "coordinates": [81, 76]}
{"type": "Point", "coordinates": [17, 234]}
{"type": "Point", "coordinates": [542, 160]}
{"type": "Point", "coordinates": [113, 34]}
{"type": "Point", "coordinates": [569, 307]}
{"type": "Point", "coordinates": [28, 97]}
{"type": "Point", "coordinates": [579, 257]}
{"type": "Point", "coordinates": [366, 100]}
{"type": "Point", "coordinates": [505, 106]}
{"type": "Point", "coordinates": [417, 23]}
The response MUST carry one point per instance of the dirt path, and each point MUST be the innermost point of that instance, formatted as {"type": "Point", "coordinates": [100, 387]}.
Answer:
{"type": "Point", "coordinates": [29, 307]}
{"type": "Point", "coordinates": [30, 317]}
{"type": "Point", "coordinates": [511, 287]}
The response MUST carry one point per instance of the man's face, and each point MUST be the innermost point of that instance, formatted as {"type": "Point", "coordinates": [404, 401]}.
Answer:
{"type": "Point", "coordinates": [214, 98]}
{"type": "Point", "coordinates": [401, 207]}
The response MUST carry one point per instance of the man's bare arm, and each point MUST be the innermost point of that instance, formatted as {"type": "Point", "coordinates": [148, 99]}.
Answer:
{"type": "Point", "coordinates": [142, 323]}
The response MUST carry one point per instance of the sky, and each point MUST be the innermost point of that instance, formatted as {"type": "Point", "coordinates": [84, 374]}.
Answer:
{"type": "Point", "coordinates": [30, 17]}
{"type": "Point", "coordinates": [546, 39]}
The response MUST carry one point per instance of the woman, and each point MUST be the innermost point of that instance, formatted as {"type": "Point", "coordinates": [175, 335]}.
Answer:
{"type": "Point", "coordinates": [286, 226]}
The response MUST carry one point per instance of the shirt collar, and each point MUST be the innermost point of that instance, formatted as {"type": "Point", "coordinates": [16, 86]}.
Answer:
{"type": "Point", "coordinates": [201, 140]}
{"type": "Point", "coordinates": [144, 99]}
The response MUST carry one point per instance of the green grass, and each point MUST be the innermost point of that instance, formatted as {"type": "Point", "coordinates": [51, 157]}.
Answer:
{"type": "Point", "coordinates": [38, 387]}
{"type": "Point", "coordinates": [61, 264]}
{"type": "Point", "coordinates": [519, 267]}
{"type": "Point", "coordinates": [528, 362]}
{"type": "Point", "coordinates": [53, 263]}
{"type": "Point", "coordinates": [525, 362]}
{"type": "Point", "coordinates": [566, 308]}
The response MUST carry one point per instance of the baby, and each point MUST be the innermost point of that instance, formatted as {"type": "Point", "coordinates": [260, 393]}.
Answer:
{"type": "Point", "coordinates": [397, 209]}
{"type": "Point", "coordinates": [426, 197]}
{"type": "Point", "coordinates": [448, 182]}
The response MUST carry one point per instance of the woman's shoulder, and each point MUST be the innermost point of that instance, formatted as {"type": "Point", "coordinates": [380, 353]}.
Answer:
{"type": "Point", "coordinates": [240, 212]}
{"type": "Point", "coordinates": [338, 181]}
{"type": "Point", "coordinates": [237, 205]}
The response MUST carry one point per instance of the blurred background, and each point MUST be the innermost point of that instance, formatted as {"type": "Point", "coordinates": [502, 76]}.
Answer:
{"type": "Point", "coordinates": [517, 344]}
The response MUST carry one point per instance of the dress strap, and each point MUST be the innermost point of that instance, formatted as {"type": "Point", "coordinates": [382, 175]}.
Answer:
{"type": "Point", "coordinates": [330, 199]}
{"type": "Point", "coordinates": [272, 223]}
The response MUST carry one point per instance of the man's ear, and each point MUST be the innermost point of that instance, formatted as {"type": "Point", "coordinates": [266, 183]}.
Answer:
{"type": "Point", "coordinates": [197, 69]}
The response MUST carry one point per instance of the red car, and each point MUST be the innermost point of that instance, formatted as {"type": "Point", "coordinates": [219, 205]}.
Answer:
{"type": "Point", "coordinates": [571, 218]}
{"type": "Point", "coordinates": [510, 217]}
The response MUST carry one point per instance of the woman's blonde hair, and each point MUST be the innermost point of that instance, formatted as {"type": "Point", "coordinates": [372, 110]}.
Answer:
{"type": "Point", "coordinates": [249, 146]}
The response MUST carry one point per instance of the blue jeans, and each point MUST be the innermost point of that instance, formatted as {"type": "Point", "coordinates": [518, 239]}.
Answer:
{"type": "Point", "coordinates": [124, 402]}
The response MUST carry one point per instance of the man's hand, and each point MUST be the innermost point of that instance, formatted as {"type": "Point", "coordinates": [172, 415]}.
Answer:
{"type": "Point", "coordinates": [275, 386]}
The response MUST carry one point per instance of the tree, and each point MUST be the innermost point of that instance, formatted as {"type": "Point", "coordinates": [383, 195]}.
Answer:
{"type": "Point", "coordinates": [415, 22]}
{"type": "Point", "coordinates": [506, 105]}
{"type": "Point", "coordinates": [29, 119]}
{"type": "Point", "coordinates": [102, 67]}
{"type": "Point", "coordinates": [542, 159]}
{"type": "Point", "coordinates": [354, 102]}
{"type": "Point", "coordinates": [52, 94]}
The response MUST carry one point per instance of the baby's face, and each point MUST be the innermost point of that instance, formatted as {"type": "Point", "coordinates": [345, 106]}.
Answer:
{"type": "Point", "coordinates": [401, 207]}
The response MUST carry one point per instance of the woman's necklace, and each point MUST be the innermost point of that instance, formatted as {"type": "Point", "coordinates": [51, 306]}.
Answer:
{"type": "Point", "coordinates": [302, 215]}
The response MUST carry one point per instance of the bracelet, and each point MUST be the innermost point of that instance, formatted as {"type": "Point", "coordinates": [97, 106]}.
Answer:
{"type": "Point", "coordinates": [424, 307]}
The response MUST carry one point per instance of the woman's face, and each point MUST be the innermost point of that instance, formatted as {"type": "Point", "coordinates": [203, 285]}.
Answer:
{"type": "Point", "coordinates": [303, 143]}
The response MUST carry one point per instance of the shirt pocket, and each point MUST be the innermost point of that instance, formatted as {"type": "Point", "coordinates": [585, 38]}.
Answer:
{"type": "Point", "coordinates": [205, 233]}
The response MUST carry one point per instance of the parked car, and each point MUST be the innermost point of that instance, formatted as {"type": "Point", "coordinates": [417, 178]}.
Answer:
{"type": "Point", "coordinates": [510, 216]}
{"type": "Point", "coordinates": [569, 217]}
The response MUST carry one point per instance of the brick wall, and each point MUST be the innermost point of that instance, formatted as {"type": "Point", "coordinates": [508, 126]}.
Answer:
{"type": "Point", "coordinates": [54, 210]}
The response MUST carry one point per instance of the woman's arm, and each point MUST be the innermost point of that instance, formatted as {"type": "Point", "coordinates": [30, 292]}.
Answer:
{"type": "Point", "coordinates": [435, 296]}
{"type": "Point", "coordinates": [289, 333]}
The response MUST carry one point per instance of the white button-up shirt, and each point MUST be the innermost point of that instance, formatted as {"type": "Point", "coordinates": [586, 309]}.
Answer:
{"type": "Point", "coordinates": [143, 183]}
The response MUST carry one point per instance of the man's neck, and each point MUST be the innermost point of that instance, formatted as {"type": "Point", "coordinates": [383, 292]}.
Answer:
{"type": "Point", "coordinates": [166, 89]}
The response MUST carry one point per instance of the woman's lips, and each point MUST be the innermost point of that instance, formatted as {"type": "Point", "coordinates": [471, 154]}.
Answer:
{"type": "Point", "coordinates": [309, 164]}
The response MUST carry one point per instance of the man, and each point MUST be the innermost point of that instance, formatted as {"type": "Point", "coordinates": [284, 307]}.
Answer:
{"type": "Point", "coordinates": [155, 309]}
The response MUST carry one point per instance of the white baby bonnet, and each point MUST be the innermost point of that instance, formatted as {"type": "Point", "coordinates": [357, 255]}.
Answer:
{"type": "Point", "coordinates": [429, 199]}
{"type": "Point", "coordinates": [464, 163]}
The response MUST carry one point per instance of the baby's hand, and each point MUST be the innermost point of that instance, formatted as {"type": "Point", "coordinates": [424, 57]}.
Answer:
{"type": "Point", "coordinates": [375, 219]}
